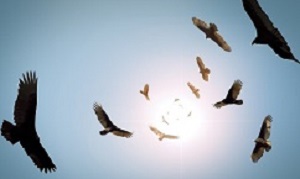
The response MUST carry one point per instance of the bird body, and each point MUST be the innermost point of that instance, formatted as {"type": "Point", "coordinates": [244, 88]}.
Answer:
{"type": "Point", "coordinates": [194, 90]}
{"type": "Point", "coordinates": [262, 143]}
{"type": "Point", "coordinates": [145, 92]}
{"type": "Point", "coordinates": [211, 32]}
{"type": "Point", "coordinates": [108, 124]}
{"type": "Point", "coordinates": [266, 32]}
{"type": "Point", "coordinates": [232, 95]}
{"type": "Point", "coordinates": [24, 131]}
{"type": "Point", "coordinates": [162, 135]}
{"type": "Point", "coordinates": [203, 70]}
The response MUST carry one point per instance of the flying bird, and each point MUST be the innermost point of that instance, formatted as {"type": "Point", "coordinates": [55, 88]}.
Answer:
{"type": "Point", "coordinates": [262, 143]}
{"type": "Point", "coordinates": [108, 124]}
{"type": "Point", "coordinates": [164, 120]}
{"type": "Point", "coordinates": [162, 135]}
{"type": "Point", "coordinates": [266, 32]}
{"type": "Point", "coordinates": [232, 95]}
{"type": "Point", "coordinates": [25, 131]}
{"type": "Point", "coordinates": [203, 70]}
{"type": "Point", "coordinates": [211, 31]}
{"type": "Point", "coordinates": [194, 90]}
{"type": "Point", "coordinates": [146, 91]}
{"type": "Point", "coordinates": [189, 114]}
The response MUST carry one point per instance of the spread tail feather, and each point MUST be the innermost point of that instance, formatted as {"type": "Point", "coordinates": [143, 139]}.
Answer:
{"type": "Point", "coordinates": [9, 131]}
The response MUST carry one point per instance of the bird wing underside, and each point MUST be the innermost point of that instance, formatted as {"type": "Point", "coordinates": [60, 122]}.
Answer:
{"type": "Point", "coordinates": [122, 133]}
{"type": "Point", "coordinates": [234, 91]}
{"type": "Point", "coordinates": [262, 22]}
{"type": "Point", "coordinates": [102, 116]}
{"type": "Point", "coordinates": [216, 37]}
{"type": "Point", "coordinates": [25, 105]}
{"type": "Point", "coordinates": [200, 63]}
{"type": "Point", "coordinates": [203, 70]}
{"type": "Point", "coordinates": [259, 18]}
{"type": "Point", "coordinates": [157, 132]}
{"type": "Point", "coordinates": [38, 154]}
{"type": "Point", "coordinates": [258, 152]}
{"type": "Point", "coordinates": [171, 136]}
{"type": "Point", "coordinates": [146, 91]}
{"type": "Point", "coordinates": [202, 25]}
{"type": "Point", "coordinates": [194, 89]}
{"type": "Point", "coordinates": [265, 129]}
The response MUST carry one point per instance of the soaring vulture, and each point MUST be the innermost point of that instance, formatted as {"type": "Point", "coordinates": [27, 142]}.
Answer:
{"type": "Point", "coordinates": [108, 124]}
{"type": "Point", "coordinates": [211, 31]}
{"type": "Point", "coordinates": [162, 135]}
{"type": "Point", "coordinates": [146, 91]}
{"type": "Point", "coordinates": [232, 95]}
{"type": "Point", "coordinates": [24, 131]}
{"type": "Point", "coordinates": [194, 90]}
{"type": "Point", "coordinates": [262, 143]}
{"type": "Point", "coordinates": [266, 32]}
{"type": "Point", "coordinates": [203, 70]}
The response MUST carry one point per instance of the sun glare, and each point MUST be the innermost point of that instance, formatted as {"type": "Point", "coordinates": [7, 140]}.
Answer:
{"type": "Point", "coordinates": [178, 117]}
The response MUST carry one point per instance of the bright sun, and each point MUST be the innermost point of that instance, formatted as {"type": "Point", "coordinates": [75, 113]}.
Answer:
{"type": "Point", "coordinates": [178, 117]}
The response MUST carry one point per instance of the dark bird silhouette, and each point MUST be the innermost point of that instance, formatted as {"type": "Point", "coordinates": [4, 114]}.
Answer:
{"type": "Point", "coordinates": [203, 70]}
{"type": "Point", "coordinates": [232, 95]}
{"type": "Point", "coordinates": [262, 143]}
{"type": "Point", "coordinates": [24, 131]}
{"type": "Point", "coordinates": [108, 124]}
{"type": "Point", "coordinates": [211, 31]}
{"type": "Point", "coordinates": [194, 90]}
{"type": "Point", "coordinates": [146, 91]}
{"type": "Point", "coordinates": [266, 32]}
{"type": "Point", "coordinates": [162, 135]}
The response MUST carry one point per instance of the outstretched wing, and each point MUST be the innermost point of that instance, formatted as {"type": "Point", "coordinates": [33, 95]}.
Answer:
{"type": "Point", "coordinates": [171, 136]}
{"type": "Point", "coordinates": [26, 102]}
{"type": "Point", "coordinates": [38, 154]}
{"type": "Point", "coordinates": [122, 133]}
{"type": "Point", "coordinates": [102, 116]}
{"type": "Point", "coordinates": [219, 104]}
{"type": "Point", "coordinates": [164, 120]}
{"type": "Point", "coordinates": [264, 132]}
{"type": "Point", "coordinates": [258, 152]}
{"type": "Point", "coordinates": [146, 91]}
{"type": "Point", "coordinates": [203, 70]}
{"type": "Point", "coordinates": [259, 18]}
{"type": "Point", "coordinates": [201, 25]}
{"type": "Point", "coordinates": [200, 63]}
{"type": "Point", "coordinates": [235, 89]}
{"type": "Point", "coordinates": [216, 37]}
{"type": "Point", "coordinates": [266, 32]}
{"type": "Point", "coordinates": [156, 131]}
{"type": "Point", "coordinates": [194, 89]}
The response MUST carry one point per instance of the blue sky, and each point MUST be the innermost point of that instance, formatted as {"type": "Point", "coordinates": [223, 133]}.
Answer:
{"type": "Point", "coordinates": [105, 51]}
